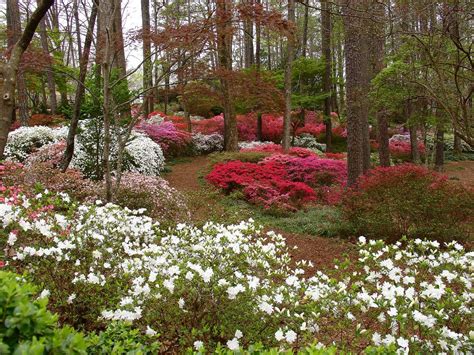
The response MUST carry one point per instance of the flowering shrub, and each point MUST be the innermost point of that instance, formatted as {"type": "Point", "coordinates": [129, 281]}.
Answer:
{"type": "Point", "coordinates": [24, 140]}
{"type": "Point", "coordinates": [142, 155]}
{"type": "Point", "coordinates": [172, 141]}
{"type": "Point", "coordinates": [250, 145]}
{"type": "Point", "coordinates": [282, 181]}
{"type": "Point", "coordinates": [235, 285]}
{"type": "Point", "coordinates": [309, 141]}
{"type": "Point", "coordinates": [313, 129]}
{"type": "Point", "coordinates": [401, 151]}
{"type": "Point", "coordinates": [409, 200]}
{"type": "Point", "coordinates": [207, 143]}
{"type": "Point", "coordinates": [153, 195]}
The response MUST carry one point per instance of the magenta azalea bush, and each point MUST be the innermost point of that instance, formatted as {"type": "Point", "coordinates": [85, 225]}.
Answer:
{"type": "Point", "coordinates": [173, 142]}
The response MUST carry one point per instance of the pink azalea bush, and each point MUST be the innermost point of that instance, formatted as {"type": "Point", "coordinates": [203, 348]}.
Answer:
{"type": "Point", "coordinates": [173, 142]}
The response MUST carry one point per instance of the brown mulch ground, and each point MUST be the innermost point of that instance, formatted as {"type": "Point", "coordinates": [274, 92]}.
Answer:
{"type": "Point", "coordinates": [461, 170]}
{"type": "Point", "coordinates": [320, 251]}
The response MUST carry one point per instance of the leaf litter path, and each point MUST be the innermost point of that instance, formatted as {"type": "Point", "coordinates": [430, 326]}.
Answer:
{"type": "Point", "coordinates": [184, 177]}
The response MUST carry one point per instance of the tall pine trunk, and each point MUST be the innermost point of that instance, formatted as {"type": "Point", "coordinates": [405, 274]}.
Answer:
{"type": "Point", "coordinates": [224, 48]}
{"type": "Point", "coordinates": [326, 49]}
{"type": "Point", "coordinates": [357, 87]}
{"type": "Point", "coordinates": [288, 76]}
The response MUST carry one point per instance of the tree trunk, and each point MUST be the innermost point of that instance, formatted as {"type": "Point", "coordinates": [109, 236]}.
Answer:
{"type": "Point", "coordinates": [357, 87]}
{"type": "Point", "coordinates": [49, 70]}
{"type": "Point", "coordinates": [107, 19]}
{"type": "Point", "coordinates": [147, 63]}
{"type": "Point", "coordinates": [249, 59]}
{"type": "Point", "coordinates": [288, 76]}
{"type": "Point", "coordinates": [304, 40]}
{"type": "Point", "coordinates": [69, 152]}
{"type": "Point", "coordinates": [9, 70]}
{"type": "Point", "coordinates": [326, 50]}
{"type": "Point", "coordinates": [15, 28]}
{"type": "Point", "coordinates": [439, 150]}
{"type": "Point", "coordinates": [376, 40]}
{"type": "Point", "coordinates": [382, 138]}
{"type": "Point", "coordinates": [224, 44]}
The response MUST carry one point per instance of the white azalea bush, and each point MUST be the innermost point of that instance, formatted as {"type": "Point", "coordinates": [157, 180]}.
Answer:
{"type": "Point", "coordinates": [236, 285]}
{"type": "Point", "coordinates": [207, 143]}
{"type": "Point", "coordinates": [25, 140]}
{"type": "Point", "coordinates": [142, 155]}
{"type": "Point", "coordinates": [306, 140]}
{"type": "Point", "coordinates": [253, 144]}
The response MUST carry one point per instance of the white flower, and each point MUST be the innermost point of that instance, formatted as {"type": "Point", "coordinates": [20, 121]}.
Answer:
{"type": "Point", "coordinates": [181, 303]}
{"type": "Point", "coordinates": [266, 307]}
{"type": "Point", "coordinates": [149, 331]}
{"type": "Point", "coordinates": [279, 336]}
{"type": "Point", "coordinates": [233, 344]}
{"type": "Point", "coordinates": [290, 336]}
{"type": "Point", "coordinates": [402, 342]}
{"type": "Point", "coordinates": [376, 339]}
{"type": "Point", "coordinates": [206, 275]}
{"type": "Point", "coordinates": [11, 238]}
{"type": "Point", "coordinates": [45, 293]}
{"type": "Point", "coordinates": [362, 240]}
{"type": "Point", "coordinates": [198, 345]}
{"type": "Point", "coordinates": [71, 298]}
{"type": "Point", "coordinates": [238, 334]}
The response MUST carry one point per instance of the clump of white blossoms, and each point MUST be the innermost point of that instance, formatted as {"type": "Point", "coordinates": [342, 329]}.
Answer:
{"type": "Point", "coordinates": [236, 285]}
{"type": "Point", "coordinates": [141, 154]}
{"type": "Point", "coordinates": [207, 143]}
{"type": "Point", "coordinates": [253, 144]}
{"type": "Point", "coordinates": [24, 140]}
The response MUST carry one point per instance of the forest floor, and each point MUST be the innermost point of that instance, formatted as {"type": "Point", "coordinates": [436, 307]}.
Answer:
{"type": "Point", "coordinates": [207, 204]}
{"type": "Point", "coordinates": [461, 170]}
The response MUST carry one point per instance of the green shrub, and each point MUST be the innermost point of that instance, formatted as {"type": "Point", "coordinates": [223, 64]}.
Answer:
{"type": "Point", "coordinates": [121, 338]}
{"type": "Point", "coordinates": [27, 327]}
{"type": "Point", "coordinates": [409, 200]}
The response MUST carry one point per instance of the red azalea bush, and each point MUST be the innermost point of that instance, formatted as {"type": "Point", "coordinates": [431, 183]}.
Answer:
{"type": "Point", "coordinates": [262, 184]}
{"type": "Point", "coordinates": [282, 181]}
{"type": "Point", "coordinates": [409, 200]}
{"type": "Point", "coordinates": [336, 156]}
{"type": "Point", "coordinates": [401, 151]}
{"type": "Point", "coordinates": [326, 176]}
{"type": "Point", "coordinates": [174, 142]}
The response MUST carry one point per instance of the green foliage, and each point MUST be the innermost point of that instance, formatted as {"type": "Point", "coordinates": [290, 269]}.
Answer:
{"type": "Point", "coordinates": [121, 338]}
{"type": "Point", "coordinates": [307, 83]}
{"type": "Point", "coordinates": [27, 327]}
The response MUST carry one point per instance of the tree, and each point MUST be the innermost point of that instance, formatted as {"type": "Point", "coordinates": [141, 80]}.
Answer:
{"type": "Point", "coordinates": [14, 25]}
{"type": "Point", "coordinates": [9, 71]}
{"type": "Point", "coordinates": [357, 87]}
{"type": "Point", "coordinates": [224, 48]}
{"type": "Point", "coordinates": [288, 74]}
{"type": "Point", "coordinates": [80, 90]}
{"type": "Point", "coordinates": [326, 51]}
{"type": "Point", "coordinates": [147, 63]}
